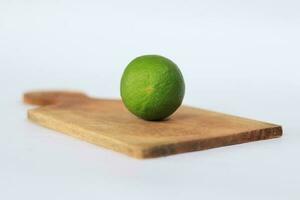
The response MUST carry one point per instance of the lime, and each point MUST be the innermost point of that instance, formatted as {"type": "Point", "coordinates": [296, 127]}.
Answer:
{"type": "Point", "coordinates": [152, 87]}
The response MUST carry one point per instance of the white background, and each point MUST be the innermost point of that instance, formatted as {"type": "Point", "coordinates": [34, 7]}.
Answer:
{"type": "Point", "coordinates": [238, 57]}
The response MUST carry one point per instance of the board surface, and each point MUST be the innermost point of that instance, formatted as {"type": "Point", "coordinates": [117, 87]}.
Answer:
{"type": "Point", "coordinates": [107, 123]}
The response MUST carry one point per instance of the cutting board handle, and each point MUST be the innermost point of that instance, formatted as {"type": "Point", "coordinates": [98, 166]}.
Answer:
{"type": "Point", "coordinates": [44, 98]}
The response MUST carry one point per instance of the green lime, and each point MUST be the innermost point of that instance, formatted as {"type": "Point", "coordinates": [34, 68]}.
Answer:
{"type": "Point", "coordinates": [152, 87]}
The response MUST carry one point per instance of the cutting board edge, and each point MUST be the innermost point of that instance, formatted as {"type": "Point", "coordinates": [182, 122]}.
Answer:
{"type": "Point", "coordinates": [274, 131]}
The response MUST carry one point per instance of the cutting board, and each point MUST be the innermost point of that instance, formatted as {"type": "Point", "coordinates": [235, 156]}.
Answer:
{"type": "Point", "coordinates": [107, 123]}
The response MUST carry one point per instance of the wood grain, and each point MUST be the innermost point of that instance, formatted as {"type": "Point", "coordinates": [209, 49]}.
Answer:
{"type": "Point", "coordinates": [107, 123]}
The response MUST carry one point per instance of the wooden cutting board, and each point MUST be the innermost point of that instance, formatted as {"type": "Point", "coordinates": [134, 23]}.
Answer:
{"type": "Point", "coordinates": [107, 123]}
